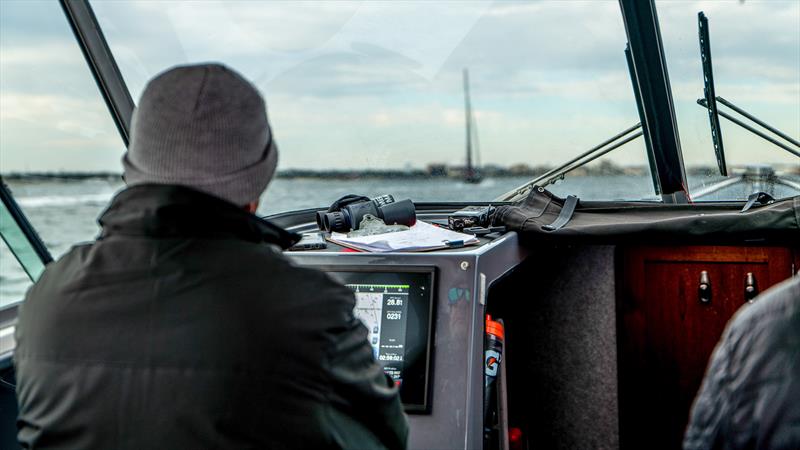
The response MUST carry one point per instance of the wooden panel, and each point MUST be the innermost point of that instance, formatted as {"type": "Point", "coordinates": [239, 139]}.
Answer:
{"type": "Point", "coordinates": [666, 334]}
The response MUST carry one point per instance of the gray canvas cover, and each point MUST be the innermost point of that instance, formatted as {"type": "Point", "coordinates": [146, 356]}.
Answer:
{"type": "Point", "coordinates": [632, 221]}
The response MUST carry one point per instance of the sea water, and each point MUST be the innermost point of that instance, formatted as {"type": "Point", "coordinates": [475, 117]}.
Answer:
{"type": "Point", "coordinates": [64, 212]}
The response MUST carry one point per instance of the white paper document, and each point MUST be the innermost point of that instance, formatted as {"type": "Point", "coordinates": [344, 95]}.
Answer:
{"type": "Point", "coordinates": [421, 237]}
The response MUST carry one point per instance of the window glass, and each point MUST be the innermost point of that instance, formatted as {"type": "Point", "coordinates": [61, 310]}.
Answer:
{"type": "Point", "coordinates": [57, 138]}
{"type": "Point", "coordinates": [368, 97]}
{"type": "Point", "coordinates": [13, 279]}
{"type": "Point", "coordinates": [19, 263]}
{"type": "Point", "coordinates": [18, 243]}
{"type": "Point", "coordinates": [755, 51]}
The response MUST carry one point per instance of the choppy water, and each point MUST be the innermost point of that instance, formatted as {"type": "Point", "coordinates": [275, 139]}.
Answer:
{"type": "Point", "coordinates": [65, 212]}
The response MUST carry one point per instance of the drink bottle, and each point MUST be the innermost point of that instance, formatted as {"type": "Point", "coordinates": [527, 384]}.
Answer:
{"type": "Point", "coordinates": [493, 353]}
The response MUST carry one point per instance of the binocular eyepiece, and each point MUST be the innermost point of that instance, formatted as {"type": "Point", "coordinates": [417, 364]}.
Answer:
{"type": "Point", "coordinates": [384, 207]}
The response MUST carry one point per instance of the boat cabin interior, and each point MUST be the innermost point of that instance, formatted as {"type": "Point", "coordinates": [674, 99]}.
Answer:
{"type": "Point", "coordinates": [584, 311]}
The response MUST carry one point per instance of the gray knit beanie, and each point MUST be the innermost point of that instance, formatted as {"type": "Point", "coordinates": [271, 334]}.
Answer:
{"type": "Point", "coordinates": [202, 126]}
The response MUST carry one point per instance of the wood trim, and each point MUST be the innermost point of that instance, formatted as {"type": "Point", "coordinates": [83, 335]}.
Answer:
{"type": "Point", "coordinates": [664, 336]}
{"type": "Point", "coordinates": [707, 253]}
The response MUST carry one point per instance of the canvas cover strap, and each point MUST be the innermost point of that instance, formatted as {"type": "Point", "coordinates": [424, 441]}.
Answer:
{"type": "Point", "coordinates": [565, 215]}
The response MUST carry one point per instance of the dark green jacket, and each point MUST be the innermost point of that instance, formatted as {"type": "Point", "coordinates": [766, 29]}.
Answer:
{"type": "Point", "coordinates": [750, 397]}
{"type": "Point", "coordinates": [183, 326]}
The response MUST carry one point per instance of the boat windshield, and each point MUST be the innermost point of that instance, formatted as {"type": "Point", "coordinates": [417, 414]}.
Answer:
{"type": "Point", "coordinates": [369, 97]}
{"type": "Point", "coordinates": [433, 101]}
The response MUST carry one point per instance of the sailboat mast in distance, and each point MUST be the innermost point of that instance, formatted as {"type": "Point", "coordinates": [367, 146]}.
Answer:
{"type": "Point", "coordinates": [468, 117]}
{"type": "Point", "coordinates": [470, 174]}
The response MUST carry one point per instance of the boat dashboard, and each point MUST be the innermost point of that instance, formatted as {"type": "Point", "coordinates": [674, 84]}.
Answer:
{"type": "Point", "coordinates": [425, 315]}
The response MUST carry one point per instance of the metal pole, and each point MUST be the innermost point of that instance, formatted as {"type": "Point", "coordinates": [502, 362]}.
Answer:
{"type": "Point", "coordinates": [756, 120]}
{"type": "Point", "coordinates": [519, 190]}
{"type": "Point", "coordinates": [584, 154]}
{"type": "Point", "coordinates": [468, 116]}
{"type": "Point", "coordinates": [592, 158]}
{"type": "Point", "coordinates": [717, 186]}
{"type": "Point", "coordinates": [791, 184]}
{"type": "Point", "coordinates": [758, 133]}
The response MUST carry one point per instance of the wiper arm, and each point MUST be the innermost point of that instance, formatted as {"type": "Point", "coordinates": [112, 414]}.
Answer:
{"type": "Point", "coordinates": [702, 102]}
{"type": "Point", "coordinates": [553, 175]}
{"type": "Point", "coordinates": [758, 121]}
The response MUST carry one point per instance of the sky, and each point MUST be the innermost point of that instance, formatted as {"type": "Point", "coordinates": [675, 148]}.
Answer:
{"type": "Point", "coordinates": [378, 84]}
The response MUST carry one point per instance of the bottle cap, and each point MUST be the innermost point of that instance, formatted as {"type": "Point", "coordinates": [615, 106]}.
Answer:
{"type": "Point", "coordinates": [494, 327]}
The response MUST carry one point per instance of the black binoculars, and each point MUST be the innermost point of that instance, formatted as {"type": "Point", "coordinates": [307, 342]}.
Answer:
{"type": "Point", "coordinates": [349, 217]}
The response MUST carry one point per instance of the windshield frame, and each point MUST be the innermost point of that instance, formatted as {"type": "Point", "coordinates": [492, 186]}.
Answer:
{"type": "Point", "coordinates": [102, 64]}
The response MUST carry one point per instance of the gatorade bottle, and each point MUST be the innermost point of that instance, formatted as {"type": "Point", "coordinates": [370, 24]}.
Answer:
{"type": "Point", "coordinates": [493, 345]}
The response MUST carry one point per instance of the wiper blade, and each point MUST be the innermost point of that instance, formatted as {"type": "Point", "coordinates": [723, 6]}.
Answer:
{"type": "Point", "coordinates": [710, 93]}
{"type": "Point", "coordinates": [553, 175]}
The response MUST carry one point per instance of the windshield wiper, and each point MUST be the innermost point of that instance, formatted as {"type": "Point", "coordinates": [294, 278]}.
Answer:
{"type": "Point", "coordinates": [710, 103]}
{"type": "Point", "coordinates": [755, 175]}
{"type": "Point", "coordinates": [709, 93]}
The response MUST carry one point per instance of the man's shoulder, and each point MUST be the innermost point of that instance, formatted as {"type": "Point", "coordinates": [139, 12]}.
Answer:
{"type": "Point", "coordinates": [62, 267]}
{"type": "Point", "coordinates": [278, 274]}
{"type": "Point", "coordinates": [246, 257]}
{"type": "Point", "coordinates": [271, 258]}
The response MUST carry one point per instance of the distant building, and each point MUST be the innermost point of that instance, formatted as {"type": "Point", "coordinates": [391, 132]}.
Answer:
{"type": "Point", "coordinates": [437, 170]}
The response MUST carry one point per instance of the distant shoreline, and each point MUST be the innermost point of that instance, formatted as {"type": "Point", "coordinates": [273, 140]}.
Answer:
{"type": "Point", "coordinates": [327, 175]}
{"type": "Point", "coordinates": [433, 172]}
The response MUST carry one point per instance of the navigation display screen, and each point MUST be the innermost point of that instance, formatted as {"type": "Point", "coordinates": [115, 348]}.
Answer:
{"type": "Point", "coordinates": [397, 309]}
{"type": "Point", "coordinates": [383, 308]}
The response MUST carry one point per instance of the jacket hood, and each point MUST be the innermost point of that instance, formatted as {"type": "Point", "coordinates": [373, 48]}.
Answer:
{"type": "Point", "coordinates": [164, 211]}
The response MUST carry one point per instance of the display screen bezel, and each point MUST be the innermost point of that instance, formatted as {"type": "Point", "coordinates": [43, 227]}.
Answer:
{"type": "Point", "coordinates": [420, 403]}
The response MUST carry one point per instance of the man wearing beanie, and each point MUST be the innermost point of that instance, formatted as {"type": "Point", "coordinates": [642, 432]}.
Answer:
{"type": "Point", "coordinates": [183, 326]}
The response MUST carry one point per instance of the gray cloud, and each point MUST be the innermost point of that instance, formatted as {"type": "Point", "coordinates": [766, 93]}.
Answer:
{"type": "Point", "coordinates": [368, 84]}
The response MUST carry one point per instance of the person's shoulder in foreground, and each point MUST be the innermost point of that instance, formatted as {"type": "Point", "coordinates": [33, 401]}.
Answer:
{"type": "Point", "coordinates": [750, 397]}
{"type": "Point", "coordinates": [183, 325]}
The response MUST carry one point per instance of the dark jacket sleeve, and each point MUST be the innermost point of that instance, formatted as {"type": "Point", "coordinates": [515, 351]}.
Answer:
{"type": "Point", "coordinates": [361, 393]}
{"type": "Point", "coordinates": [749, 395]}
